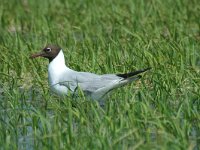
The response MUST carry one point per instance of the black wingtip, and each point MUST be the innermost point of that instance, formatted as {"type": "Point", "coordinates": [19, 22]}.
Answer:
{"type": "Point", "coordinates": [149, 68]}
{"type": "Point", "coordinates": [131, 74]}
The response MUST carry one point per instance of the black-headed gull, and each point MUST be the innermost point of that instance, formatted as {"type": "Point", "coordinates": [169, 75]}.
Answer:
{"type": "Point", "coordinates": [63, 80]}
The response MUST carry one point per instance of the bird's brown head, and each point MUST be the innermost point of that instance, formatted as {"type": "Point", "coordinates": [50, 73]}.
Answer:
{"type": "Point", "coordinates": [50, 52]}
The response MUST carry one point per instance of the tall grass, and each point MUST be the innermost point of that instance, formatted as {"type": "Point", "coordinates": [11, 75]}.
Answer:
{"type": "Point", "coordinates": [161, 111]}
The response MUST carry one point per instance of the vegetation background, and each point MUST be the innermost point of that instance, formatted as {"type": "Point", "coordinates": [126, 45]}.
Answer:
{"type": "Point", "coordinates": [161, 111]}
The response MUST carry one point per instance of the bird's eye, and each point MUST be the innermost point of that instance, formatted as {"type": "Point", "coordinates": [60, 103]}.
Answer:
{"type": "Point", "coordinates": [48, 49]}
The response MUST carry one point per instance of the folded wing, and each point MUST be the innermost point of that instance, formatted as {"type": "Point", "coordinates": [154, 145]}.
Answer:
{"type": "Point", "coordinates": [91, 83]}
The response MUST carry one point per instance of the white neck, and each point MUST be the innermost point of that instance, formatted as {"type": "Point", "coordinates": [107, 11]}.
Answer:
{"type": "Point", "coordinates": [56, 68]}
{"type": "Point", "coordinates": [59, 59]}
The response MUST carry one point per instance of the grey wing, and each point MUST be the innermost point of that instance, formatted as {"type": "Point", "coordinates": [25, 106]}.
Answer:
{"type": "Point", "coordinates": [89, 82]}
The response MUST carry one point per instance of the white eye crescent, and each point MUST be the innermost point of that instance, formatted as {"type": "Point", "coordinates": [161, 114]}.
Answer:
{"type": "Point", "coordinates": [48, 49]}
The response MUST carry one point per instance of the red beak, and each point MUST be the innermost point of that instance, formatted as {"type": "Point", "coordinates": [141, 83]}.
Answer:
{"type": "Point", "coordinates": [37, 55]}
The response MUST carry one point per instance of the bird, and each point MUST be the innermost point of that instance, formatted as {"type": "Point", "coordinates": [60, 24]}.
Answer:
{"type": "Point", "coordinates": [65, 81]}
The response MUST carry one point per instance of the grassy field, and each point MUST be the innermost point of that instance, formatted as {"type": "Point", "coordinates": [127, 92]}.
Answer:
{"type": "Point", "coordinates": [161, 111]}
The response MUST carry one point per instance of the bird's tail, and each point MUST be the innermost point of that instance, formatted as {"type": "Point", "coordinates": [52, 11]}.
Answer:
{"type": "Point", "coordinates": [124, 79]}
{"type": "Point", "coordinates": [131, 76]}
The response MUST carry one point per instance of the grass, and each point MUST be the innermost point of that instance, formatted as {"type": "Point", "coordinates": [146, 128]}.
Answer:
{"type": "Point", "coordinates": [161, 111]}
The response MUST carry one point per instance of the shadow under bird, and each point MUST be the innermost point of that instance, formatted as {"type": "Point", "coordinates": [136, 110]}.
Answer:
{"type": "Point", "coordinates": [63, 80]}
